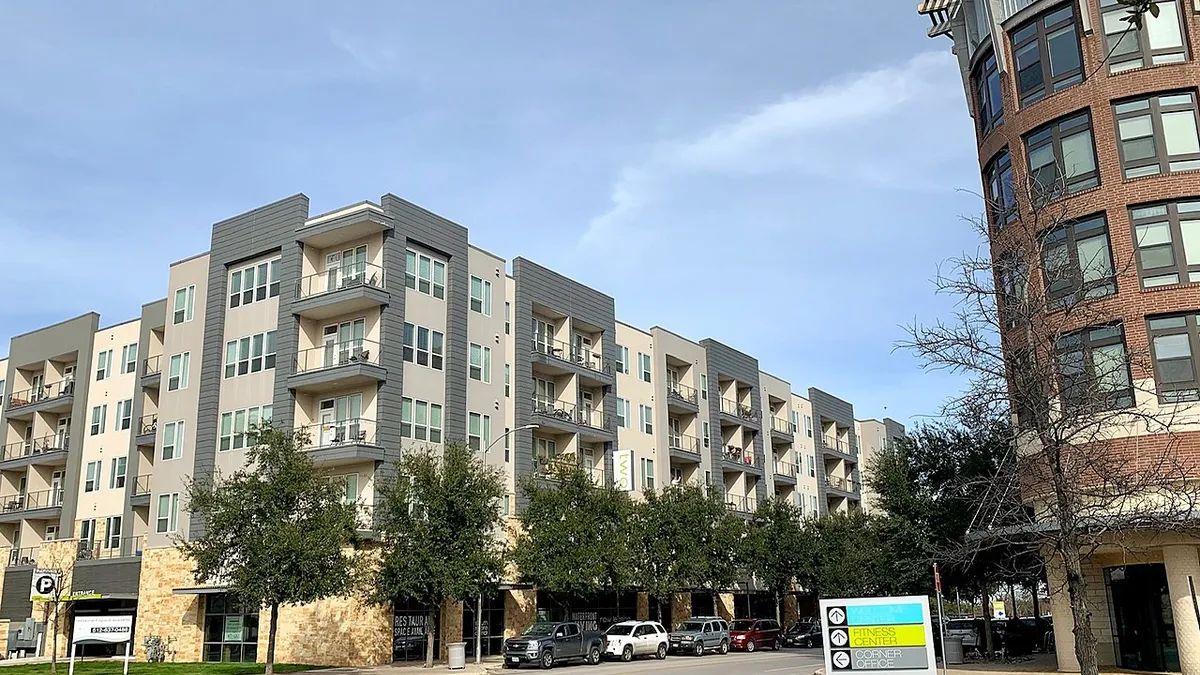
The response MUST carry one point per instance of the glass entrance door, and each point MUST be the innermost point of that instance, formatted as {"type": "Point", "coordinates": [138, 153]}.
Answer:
{"type": "Point", "coordinates": [1144, 624]}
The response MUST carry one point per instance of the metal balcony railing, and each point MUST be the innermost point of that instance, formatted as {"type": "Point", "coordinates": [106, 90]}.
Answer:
{"type": "Point", "coordinates": [147, 424]}
{"type": "Point", "coordinates": [347, 276]}
{"type": "Point", "coordinates": [681, 392]}
{"type": "Point", "coordinates": [780, 426]}
{"type": "Point", "coordinates": [109, 548]}
{"type": "Point", "coordinates": [742, 456]}
{"type": "Point", "coordinates": [27, 556]}
{"type": "Point", "coordinates": [545, 466]}
{"type": "Point", "coordinates": [43, 393]}
{"type": "Point", "coordinates": [32, 500]}
{"type": "Point", "coordinates": [341, 432]}
{"type": "Point", "coordinates": [836, 444]}
{"type": "Point", "coordinates": [336, 354]}
{"type": "Point", "coordinates": [35, 446]}
{"type": "Point", "coordinates": [573, 413]}
{"type": "Point", "coordinates": [152, 365]}
{"type": "Point", "coordinates": [741, 504]}
{"type": "Point", "coordinates": [141, 485]}
{"type": "Point", "coordinates": [731, 407]}
{"type": "Point", "coordinates": [683, 442]}
{"type": "Point", "coordinates": [843, 484]}
{"type": "Point", "coordinates": [563, 351]}
{"type": "Point", "coordinates": [785, 469]}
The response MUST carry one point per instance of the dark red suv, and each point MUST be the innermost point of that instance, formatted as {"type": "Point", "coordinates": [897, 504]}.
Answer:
{"type": "Point", "coordinates": [752, 634]}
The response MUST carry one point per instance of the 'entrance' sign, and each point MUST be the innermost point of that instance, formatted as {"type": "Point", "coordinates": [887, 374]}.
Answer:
{"type": "Point", "coordinates": [878, 636]}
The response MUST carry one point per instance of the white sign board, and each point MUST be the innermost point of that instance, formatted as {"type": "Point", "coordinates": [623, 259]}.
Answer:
{"type": "Point", "coordinates": [623, 470]}
{"type": "Point", "coordinates": [43, 585]}
{"type": "Point", "coordinates": [93, 629]}
{"type": "Point", "coordinates": [878, 636]}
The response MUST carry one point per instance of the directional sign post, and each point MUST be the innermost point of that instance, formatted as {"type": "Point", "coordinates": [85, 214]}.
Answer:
{"type": "Point", "coordinates": [878, 636]}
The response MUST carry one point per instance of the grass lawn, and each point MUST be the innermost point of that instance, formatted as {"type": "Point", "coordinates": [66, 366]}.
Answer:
{"type": "Point", "coordinates": [114, 668]}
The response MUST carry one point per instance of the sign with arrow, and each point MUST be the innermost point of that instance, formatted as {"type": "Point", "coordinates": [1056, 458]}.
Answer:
{"type": "Point", "coordinates": [878, 636]}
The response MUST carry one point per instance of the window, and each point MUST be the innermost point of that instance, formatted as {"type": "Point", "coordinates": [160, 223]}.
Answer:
{"type": "Point", "coordinates": [254, 283]}
{"type": "Point", "coordinates": [91, 481]}
{"type": "Point", "coordinates": [545, 394]}
{"type": "Point", "coordinates": [112, 532]}
{"type": "Point", "coordinates": [237, 426]}
{"type": "Point", "coordinates": [813, 503]}
{"type": "Point", "coordinates": [423, 346]}
{"type": "Point", "coordinates": [507, 439]}
{"type": "Point", "coordinates": [168, 513]}
{"type": "Point", "coordinates": [481, 363]}
{"type": "Point", "coordinates": [989, 106]}
{"type": "Point", "coordinates": [998, 177]}
{"type": "Point", "coordinates": [1167, 237]}
{"type": "Point", "coordinates": [622, 413]}
{"type": "Point", "coordinates": [349, 483]}
{"type": "Point", "coordinates": [647, 474]}
{"type": "Point", "coordinates": [178, 373]}
{"type": "Point", "coordinates": [1159, 41]}
{"type": "Point", "coordinates": [507, 318]}
{"type": "Point", "coordinates": [129, 358]}
{"type": "Point", "coordinates": [104, 364]}
{"type": "Point", "coordinates": [51, 532]}
{"type": "Point", "coordinates": [425, 274]}
{"type": "Point", "coordinates": [87, 530]}
{"type": "Point", "coordinates": [1046, 51]}
{"type": "Point", "coordinates": [792, 421]}
{"type": "Point", "coordinates": [808, 425]}
{"type": "Point", "coordinates": [1173, 340]}
{"type": "Point", "coordinates": [1158, 134]}
{"type": "Point", "coordinates": [116, 476]}
{"type": "Point", "coordinates": [507, 380]}
{"type": "Point", "coordinates": [99, 413]}
{"type": "Point", "coordinates": [420, 420]}
{"type": "Point", "coordinates": [704, 386]}
{"type": "Point", "coordinates": [644, 366]}
{"type": "Point", "coordinates": [647, 418]}
{"type": "Point", "coordinates": [622, 360]}
{"type": "Point", "coordinates": [230, 629]}
{"type": "Point", "coordinates": [172, 447]}
{"type": "Point", "coordinates": [185, 304]}
{"type": "Point", "coordinates": [481, 296]}
{"type": "Point", "coordinates": [124, 414]}
{"type": "Point", "coordinates": [1094, 369]}
{"type": "Point", "coordinates": [254, 353]}
{"type": "Point", "coordinates": [1062, 157]}
{"type": "Point", "coordinates": [812, 466]}
{"type": "Point", "coordinates": [1077, 262]}
{"type": "Point", "coordinates": [479, 431]}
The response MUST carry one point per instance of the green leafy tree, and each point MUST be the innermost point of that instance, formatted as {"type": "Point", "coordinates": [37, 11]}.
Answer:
{"type": "Point", "coordinates": [778, 548]}
{"type": "Point", "coordinates": [575, 536]}
{"type": "Point", "coordinates": [276, 532]}
{"type": "Point", "coordinates": [858, 555]}
{"type": "Point", "coordinates": [438, 520]}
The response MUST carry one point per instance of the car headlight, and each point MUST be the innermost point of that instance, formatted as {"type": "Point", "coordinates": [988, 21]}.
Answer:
{"type": "Point", "coordinates": [533, 644]}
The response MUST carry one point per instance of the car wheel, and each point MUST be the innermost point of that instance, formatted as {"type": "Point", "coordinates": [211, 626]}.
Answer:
{"type": "Point", "coordinates": [698, 648]}
{"type": "Point", "coordinates": [749, 645]}
{"type": "Point", "coordinates": [662, 652]}
{"type": "Point", "coordinates": [724, 647]}
{"type": "Point", "coordinates": [627, 653]}
{"type": "Point", "coordinates": [547, 659]}
{"type": "Point", "coordinates": [808, 643]}
{"type": "Point", "coordinates": [594, 656]}
{"type": "Point", "coordinates": [776, 645]}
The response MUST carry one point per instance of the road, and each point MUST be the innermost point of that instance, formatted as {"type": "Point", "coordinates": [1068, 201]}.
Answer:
{"type": "Point", "coordinates": [784, 662]}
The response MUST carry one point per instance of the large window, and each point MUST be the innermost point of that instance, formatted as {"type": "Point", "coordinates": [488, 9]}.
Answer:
{"type": "Point", "coordinates": [230, 629]}
{"type": "Point", "coordinates": [129, 358]}
{"type": "Point", "coordinates": [91, 481]}
{"type": "Point", "coordinates": [481, 296]}
{"type": "Point", "coordinates": [480, 363]}
{"type": "Point", "coordinates": [1158, 134]}
{"type": "Point", "coordinates": [99, 415]}
{"type": "Point", "coordinates": [167, 517]}
{"type": "Point", "coordinates": [479, 431]}
{"type": "Point", "coordinates": [998, 179]}
{"type": "Point", "coordinates": [1159, 41]}
{"type": "Point", "coordinates": [989, 107]}
{"type": "Point", "coordinates": [251, 354]}
{"type": "Point", "coordinates": [238, 426]}
{"type": "Point", "coordinates": [1062, 156]}
{"type": "Point", "coordinates": [1175, 339]}
{"type": "Point", "coordinates": [1167, 237]}
{"type": "Point", "coordinates": [124, 414]}
{"type": "Point", "coordinates": [1094, 369]}
{"type": "Point", "coordinates": [185, 305]}
{"type": "Point", "coordinates": [104, 364]}
{"type": "Point", "coordinates": [646, 416]}
{"type": "Point", "coordinates": [420, 420]}
{"type": "Point", "coordinates": [116, 477]}
{"type": "Point", "coordinates": [172, 447]}
{"type": "Point", "coordinates": [1014, 277]}
{"type": "Point", "coordinates": [1077, 262]}
{"type": "Point", "coordinates": [425, 274]}
{"type": "Point", "coordinates": [1047, 54]}
{"type": "Point", "coordinates": [423, 346]}
{"type": "Point", "coordinates": [177, 375]}
{"type": "Point", "coordinates": [254, 283]}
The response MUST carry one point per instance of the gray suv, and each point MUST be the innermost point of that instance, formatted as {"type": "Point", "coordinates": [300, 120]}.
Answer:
{"type": "Point", "coordinates": [701, 634]}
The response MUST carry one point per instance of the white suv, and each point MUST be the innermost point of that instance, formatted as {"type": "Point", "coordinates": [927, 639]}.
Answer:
{"type": "Point", "coordinates": [635, 638]}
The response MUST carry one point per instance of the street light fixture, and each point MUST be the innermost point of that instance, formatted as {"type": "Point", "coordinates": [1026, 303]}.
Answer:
{"type": "Point", "coordinates": [507, 434]}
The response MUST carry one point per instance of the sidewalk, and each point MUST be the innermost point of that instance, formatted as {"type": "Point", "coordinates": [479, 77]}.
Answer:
{"type": "Point", "coordinates": [489, 665]}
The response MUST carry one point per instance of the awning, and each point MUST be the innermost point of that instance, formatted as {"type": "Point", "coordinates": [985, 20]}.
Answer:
{"type": "Point", "coordinates": [942, 28]}
{"type": "Point", "coordinates": [929, 6]}
{"type": "Point", "coordinates": [201, 590]}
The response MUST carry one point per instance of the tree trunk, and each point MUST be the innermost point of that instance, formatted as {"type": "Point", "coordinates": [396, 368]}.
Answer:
{"type": "Point", "coordinates": [429, 638]}
{"type": "Point", "coordinates": [272, 633]}
{"type": "Point", "coordinates": [53, 639]}
{"type": "Point", "coordinates": [1012, 593]}
{"type": "Point", "coordinates": [1037, 612]}
{"type": "Point", "coordinates": [1085, 640]}
{"type": "Point", "coordinates": [989, 648]}
{"type": "Point", "coordinates": [778, 610]}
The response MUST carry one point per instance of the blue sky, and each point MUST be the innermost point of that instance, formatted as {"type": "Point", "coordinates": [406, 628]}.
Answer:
{"type": "Point", "coordinates": [782, 175]}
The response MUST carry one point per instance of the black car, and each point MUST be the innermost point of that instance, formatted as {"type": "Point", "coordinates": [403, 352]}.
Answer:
{"type": "Point", "coordinates": [805, 633]}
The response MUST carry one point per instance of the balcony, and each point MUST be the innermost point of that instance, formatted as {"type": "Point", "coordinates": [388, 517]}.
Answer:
{"type": "Point", "coordinates": [141, 491]}
{"type": "Point", "coordinates": [109, 549]}
{"type": "Point", "coordinates": [741, 459]}
{"type": "Point", "coordinates": [340, 291]}
{"type": "Point", "coordinates": [733, 412]}
{"type": "Point", "coordinates": [546, 467]}
{"type": "Point", "coordinates": [682, 399]}
{"type": "Point", "coordinates": [339, 365]}
{"type": "Point", "coordinates": [23, 557]}
{"type": "Point", "coordinates": [741, 504]}
{"type": "Point", "coordinates": [147, 428]}
{"type": "Point", "coordinates": [684, 447]}
{"type": "Point", "coordinates": [846, 486]}
{"type": "Point", "coordinates": [42, 504]}
{"type": "Point", "coordinates": [781, 430]}
{"type": "Point", "coordinates": [564, 417]}
{"type": "Point", "coordinates": [342, 442]}
{"type": "Point", "coordinates": [56, 397]}
{"type": "Point", "coordinates": [44, 451]}
{"type": "Point", "coordinates": [838, 447]}
{"type": "Point", "coordinates": [561, 358]}
{"type": "Point", "coordinates": [151, 372]}
{"type": "Point", "coordinates": [344, 225]}
{"type": "Point", "coordinates": [785, 472]}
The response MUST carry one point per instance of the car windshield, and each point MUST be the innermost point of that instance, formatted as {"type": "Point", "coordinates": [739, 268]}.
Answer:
{"type": "Point", "coordinates": [619, 629]}
{"type": "Point", "coordinates": [798, 628]}
{"type": "Point", "coordinates": [539, 629]}
{"type": "Point", "coordinates": [691, 625]}
{"type": "Point", "coordinates": [742, 624]}
{"type": "Point", "coordinates": [959, 625]}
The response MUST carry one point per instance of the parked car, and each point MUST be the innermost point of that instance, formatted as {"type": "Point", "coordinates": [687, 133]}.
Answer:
{"type": "Point", "coordinates": [750, 634]}
{"type": "Point", "coordinates": [805, 633]}
{"type": "Point", "coordinates": [965, 629]}
{"type": "Point", "coordinates": [701, 634]}
{"type": "Point", "coordinates": [630, 639]}
{"type": "Point", "coordinates": [548, 643]}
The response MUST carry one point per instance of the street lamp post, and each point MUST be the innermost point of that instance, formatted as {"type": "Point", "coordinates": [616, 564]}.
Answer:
{"type": "Point", "coordinates": [479, 600]}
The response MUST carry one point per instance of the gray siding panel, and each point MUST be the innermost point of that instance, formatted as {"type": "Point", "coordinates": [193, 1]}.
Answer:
{"type": "Point", "coordinates": [725, 361]}
{"type": "Point", "coordinates": [154, 316]}
{"type": "Point", "coordinates": [826, 406]}
{"type": "Point", "coordinates": [14, 599]}
{"type": "Point", "coordinates": [108, 576]}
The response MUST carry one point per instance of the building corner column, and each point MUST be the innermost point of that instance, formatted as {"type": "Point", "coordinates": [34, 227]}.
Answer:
{"type": "Point", "coordinates": [724, 605]}
{"type": "Point", "coordinates": [1183, 578]}
{"type": "Point", "coordinates": [1060, 610]}
{"type": "Point", "coordinates": [681, 608]}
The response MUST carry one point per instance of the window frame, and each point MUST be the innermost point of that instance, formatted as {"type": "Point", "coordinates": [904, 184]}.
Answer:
{"type": "Point", "coordinates": [1155, 110]}
{"type": "Point", "coordinates": [104, 364]}
{"type": "Point", "coordinates": [124, 419]}
{"type": "Point", "coordinates": [1068, 236]}
{"type": "Point", "coordinates": [1002, 206]}
{"type": "Point", "coordinates": [622, 413]}
{"type": "Point", "coordinates": [482, 434]}
{"type": "Point", "coordinates": [646, 418]}
{"type": "Point", "coordinates": [484, 365]}
{"type": "Point", "coordinates": [647, 473]}
{"type": "Point", "coordinates": [485, 296]}
{"type": "Point", "coordinates": [432, 355]}
{"type": "Point", "coordinates": [622, 360]}
{"type": "Point", "coordinates": [171, 518]}
{"type": "Point", "coordinates": [241, 294]}
{"type": "Point", "coordinates": [985, 73]}
{"type": "Point", "coordinates": [93, 475]}
{"type": "Point", "coordinates": [185, 313]}
{"type": "Point", "coordinates": [425, 281]}
{"type": "Point", "coordinates": [1180, 391]}
{"type": "Point", "coordinates": [1054, 134]}
{"type": "Point", "coordinates": [117, 473]}
{"type": "Point", "coordinates": [1144, 54]}
{"type": "Point", "coordinates": [1088, 342]}
{"type": "Point", "coordinates": [1173, 217]}
{"type": "Point", "coordinates": [178, 382]}
{"type": "Point", "coordinates": [409, 408]}
{"type": "Point", "coordinates": [1018, 41]}
{"type": "Point", "coordinates": [112, 535]}
{"type": "Point", "coordinates": [644, 365]}
{"type": "Point", "coordinates": [99, 419]}
{"type": "Point", "coordinates": [129, 358]}
{"type": "Point", "coordinates": [177, 429]}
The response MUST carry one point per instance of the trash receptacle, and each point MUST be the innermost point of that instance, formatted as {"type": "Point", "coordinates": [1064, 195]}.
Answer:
{"type": "Point", "coordinates": [458, 655]}
{"type": "Point", "coordinates": [954, 651]}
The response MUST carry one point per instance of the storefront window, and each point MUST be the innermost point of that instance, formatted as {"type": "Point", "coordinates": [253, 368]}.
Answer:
{"type": "Point", "coordinates": [492, 626]}
{"type": "Point", "coordinates": [230, 630]}
{"type": "Point", "coordinates": [409, 630]}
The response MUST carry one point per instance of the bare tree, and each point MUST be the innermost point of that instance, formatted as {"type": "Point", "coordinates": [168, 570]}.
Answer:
{"type": "Point", "coordinates": [1039, 330]}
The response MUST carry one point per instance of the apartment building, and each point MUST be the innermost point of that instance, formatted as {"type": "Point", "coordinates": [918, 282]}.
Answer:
{"type": "Point", "coordinates": [369, 329]}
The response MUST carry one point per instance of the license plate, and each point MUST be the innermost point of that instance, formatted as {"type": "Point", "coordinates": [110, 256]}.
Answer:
{"type": "Point", "coordinates": [513, 659]}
